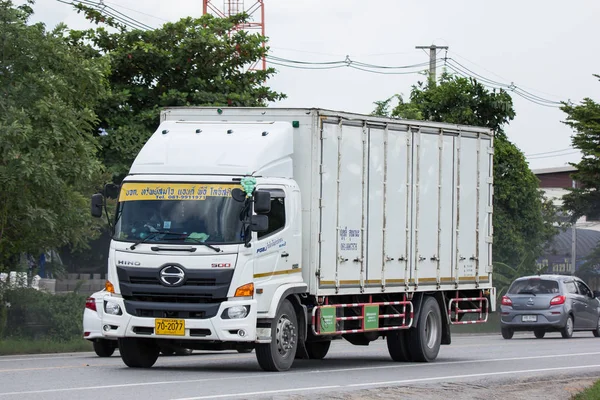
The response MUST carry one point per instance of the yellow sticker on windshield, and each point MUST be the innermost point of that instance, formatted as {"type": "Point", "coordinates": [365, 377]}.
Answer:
{"type": "Point", "coordinates": [174, 191]}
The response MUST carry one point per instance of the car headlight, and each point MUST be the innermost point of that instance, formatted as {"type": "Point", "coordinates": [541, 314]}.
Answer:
{"type": "Point", "coordinates": [112, 308]}
{"type": "Point", "coordinates": [236, 312]}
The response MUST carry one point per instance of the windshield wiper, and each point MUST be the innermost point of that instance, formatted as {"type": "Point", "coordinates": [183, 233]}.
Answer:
{"type": "Point", "coordinates": [153, 234]}
{"type": "Point", "coordinates": [186, 236]}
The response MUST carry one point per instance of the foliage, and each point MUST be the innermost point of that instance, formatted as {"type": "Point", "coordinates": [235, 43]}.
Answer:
{"type": "Point", "coordinates": [43, 346]}
{"type": "Point", "coordinates": [191, 62]}
{"type": "Point", "coordinates": [523, 218]}
{"type": "Point", "coordinates": [585, 121]}
{"type": "Point", "coordinates": [48, 162]}
{"type": "Point", "coordinates": [34, 314]}
{"type": "Point", "coordinates": [591, 393]}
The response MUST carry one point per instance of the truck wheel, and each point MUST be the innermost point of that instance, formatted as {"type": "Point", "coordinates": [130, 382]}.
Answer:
{"type": "Point", "coordinates": [244, 351]}
{"type": "Point", "coordinates": [138, 353]}
{"type": "Point", "coordinates": [424, 340]}
{"type": "Point", "coordinates": [279, 354]}
{"type": "Point", "coordinates": [397, 344]}
{"type": "Point", "coordinates": [104, 348]}
{"type": "Point", "coordinates": [317, 350]}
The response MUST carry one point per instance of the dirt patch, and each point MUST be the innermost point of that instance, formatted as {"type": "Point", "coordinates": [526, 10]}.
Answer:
{"type": "Point", "coordinates": [556, 388]}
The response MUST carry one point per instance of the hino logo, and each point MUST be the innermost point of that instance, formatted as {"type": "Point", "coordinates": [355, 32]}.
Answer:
{"type": "Point", "coordinates": [129, 263]}
{"type": "Point", "coordinates": [172, 275]}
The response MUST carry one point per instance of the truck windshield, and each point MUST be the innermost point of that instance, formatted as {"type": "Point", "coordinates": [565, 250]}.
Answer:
{"type": "Point", "coordinates": [197, 212]}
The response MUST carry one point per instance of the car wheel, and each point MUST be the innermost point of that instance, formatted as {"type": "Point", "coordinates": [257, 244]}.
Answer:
{"type": "Point", "coordinates": [104, 348]}
{"type": "Point", "coordinates": [507, 333]}
{"type": "Point", "coordinates": [567, 331]}
{"type": "Point", "coordinates": [596, 331]}
{"type": "Point", "coordinates": [539, 333]}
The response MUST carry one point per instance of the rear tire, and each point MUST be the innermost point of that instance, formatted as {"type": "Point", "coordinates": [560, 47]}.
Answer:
{"type": "Point", "coordinates": [567, 331]}
{"type": "Point", "coordinates": [138, 353]}
{"type": "Point", "coordinates": [280, 353]}
{"type": "Point", "coordinates": [424, 340]}
{"type": "Point", "coordinates": [104, 348]}
{"type": "Point", "coordinates": [596, 331]}
{"type": "Point", "coordinates": [397, 344]}
{"type": "Point", "coordinates": [317, 350]}
{"type": "Point", "coordinates": [507, 333]}
{"type": "Point", "coordinates": [539, 333]}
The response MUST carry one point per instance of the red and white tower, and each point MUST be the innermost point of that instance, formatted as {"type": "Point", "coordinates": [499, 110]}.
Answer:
{"type": "Point", "coordinates": [256, 13]}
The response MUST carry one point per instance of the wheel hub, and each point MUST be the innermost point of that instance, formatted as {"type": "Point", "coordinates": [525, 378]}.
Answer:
{"type": "Point", "coordinates": [285, 335]}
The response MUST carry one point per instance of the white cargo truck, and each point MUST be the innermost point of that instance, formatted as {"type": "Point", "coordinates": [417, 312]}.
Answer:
{"type": "Point", "coordinates": [281, 230]}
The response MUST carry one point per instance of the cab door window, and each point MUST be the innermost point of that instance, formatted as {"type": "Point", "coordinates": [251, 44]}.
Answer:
{"type": "Point", "coordinates": [276, 215]}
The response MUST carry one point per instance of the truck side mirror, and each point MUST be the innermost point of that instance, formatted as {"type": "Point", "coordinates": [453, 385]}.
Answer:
{"type": "Point", "coordinates": [262, 202]}
{"type": "Point", "coordinates": [97, 203]}
{"type": "Point", "coordinates": [111, 191]}
{"type": "Point", "coordinates": [238, 195]}
{"type": "Point", "coordinates": [259, 223]}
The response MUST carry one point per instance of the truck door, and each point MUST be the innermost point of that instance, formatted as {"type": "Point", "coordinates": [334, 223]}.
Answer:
{"type": "Point", "coordinates": [277, 249]}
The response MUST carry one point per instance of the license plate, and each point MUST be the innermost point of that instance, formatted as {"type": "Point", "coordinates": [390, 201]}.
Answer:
{"type": "Point", "coordinates": [529, 318]}
{"type": "Point", "coordinates": [174, 327]}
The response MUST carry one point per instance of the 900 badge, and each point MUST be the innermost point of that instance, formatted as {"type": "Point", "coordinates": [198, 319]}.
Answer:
{"type": "Point", "coordinates": [221, 265]}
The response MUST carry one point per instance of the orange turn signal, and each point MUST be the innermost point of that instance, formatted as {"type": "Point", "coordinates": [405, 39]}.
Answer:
{"type": "Point", "coordinates": [245, 291]}
{"type": "Point", "coordinates": [110, 288]}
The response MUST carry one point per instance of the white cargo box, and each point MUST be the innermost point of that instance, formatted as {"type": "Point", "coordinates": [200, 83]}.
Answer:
{"type": "Point", "coordinates": [388, 205]}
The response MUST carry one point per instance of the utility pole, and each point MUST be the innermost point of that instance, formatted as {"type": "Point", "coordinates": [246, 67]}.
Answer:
{"type": "Point", "coordinates": [573, 239]}
{"type": "Point", "coordinates": [432, 56]}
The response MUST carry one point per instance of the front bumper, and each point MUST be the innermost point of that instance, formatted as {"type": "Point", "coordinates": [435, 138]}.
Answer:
{"type": "Point", "coordinates": [208, 329]}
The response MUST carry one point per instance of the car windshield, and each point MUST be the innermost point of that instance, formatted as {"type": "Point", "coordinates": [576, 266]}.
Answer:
{"type": "Point", "coordinates": [178, 213]}
{"type": "Point", "coordinates": [533, 286]}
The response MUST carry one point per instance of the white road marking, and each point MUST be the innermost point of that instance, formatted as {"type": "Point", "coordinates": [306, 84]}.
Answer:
{"type": "Point", "coordinates": [259, 374]}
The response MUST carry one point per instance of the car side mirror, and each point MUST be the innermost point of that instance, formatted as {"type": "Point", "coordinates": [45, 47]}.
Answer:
{"type": "Point", "coordinates": [97, 203]}
{"type": "Point", "coordinates": [259, 223]}
{"type": "Point", "coordinates": [596, 293]}
{"type": "Point", "coordinates": [262, 202]}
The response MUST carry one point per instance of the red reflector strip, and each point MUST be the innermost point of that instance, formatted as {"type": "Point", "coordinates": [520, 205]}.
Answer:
{"type": "Point", "coordinates": [86, 334]}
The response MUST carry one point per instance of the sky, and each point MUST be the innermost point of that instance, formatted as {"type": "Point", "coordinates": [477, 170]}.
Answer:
{"type": "Point", "coordinates": [548, 48]}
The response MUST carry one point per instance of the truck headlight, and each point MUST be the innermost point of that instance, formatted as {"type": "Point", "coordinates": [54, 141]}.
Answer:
{"type": "Point", "coordinates": [112, 308]}
{"type": "Point", "coordinates": [236, 312]}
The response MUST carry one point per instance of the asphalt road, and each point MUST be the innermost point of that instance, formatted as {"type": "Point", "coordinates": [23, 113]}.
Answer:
{"type": "Point", "coordinates": [345, 370]}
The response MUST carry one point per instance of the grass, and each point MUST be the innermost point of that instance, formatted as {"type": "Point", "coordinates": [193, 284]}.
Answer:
{"type": "Point", "coordinates": [24, 346]}
{"type": "Point", "coordinates": [591, 393]}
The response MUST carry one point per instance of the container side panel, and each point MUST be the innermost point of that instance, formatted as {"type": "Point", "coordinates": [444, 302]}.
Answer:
{"type": "Point", "coordinates": [351, 206]}
{"type": "Point", "coordinates": [467, 208]}
{"type": "Point", "coordinates": [485, 204]}
{"type": "Point", "coordinates": [426, 206]}
{"type": "Point", "coordinates": [397, 236]}
{"type": "Point", "coordinates": [329, 205]}
{"type": "Point", "coordinates": [375, 207]}
{"type": "Point", "coordinates": [446, 217]}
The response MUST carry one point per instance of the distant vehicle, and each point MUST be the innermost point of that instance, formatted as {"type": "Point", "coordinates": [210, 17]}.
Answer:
{"type": "Point", "coordinates": [92, 326]}
{"type": "Point", "coordinates": [550, 303]}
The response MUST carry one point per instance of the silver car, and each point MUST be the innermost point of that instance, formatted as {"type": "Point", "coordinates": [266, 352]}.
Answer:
{"type": "Point", "coordinates": [549, 303]}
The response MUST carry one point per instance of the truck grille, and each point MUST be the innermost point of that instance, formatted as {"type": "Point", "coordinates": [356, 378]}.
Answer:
{"type": "Point", "coordinates": [198, 297]}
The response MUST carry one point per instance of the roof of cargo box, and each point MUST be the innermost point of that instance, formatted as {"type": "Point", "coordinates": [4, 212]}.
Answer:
{"type": "Point", "coordinates": [218, 148]}
{"type": "Point", "coordinates": [263, 113]}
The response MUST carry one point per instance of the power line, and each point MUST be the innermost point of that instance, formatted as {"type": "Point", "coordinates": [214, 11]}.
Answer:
{"type": "Point", "coordinates": [136, 11]}
{"type": "Point", "coordinates": [554, 155]}
{"type": "Point", "coordinates": [550, 152]}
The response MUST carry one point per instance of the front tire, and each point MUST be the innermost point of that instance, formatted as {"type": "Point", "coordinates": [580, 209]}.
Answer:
{"type": "Point", "coordinates": [567, 331]}
{"type": "Point", "coordinates": [280, 353]}
{"type": "Point", "coordinates": [317, 350]}
{"type": "Point", "coordinates": [104, 348]}
{"type": "Point", "coordinates": [425, 339]}
{"type": "Point", "coordinates": [138, 353]}
{"type": "Point", "coordinates": [596, 331]}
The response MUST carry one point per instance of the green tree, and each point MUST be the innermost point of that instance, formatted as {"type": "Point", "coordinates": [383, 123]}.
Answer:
{"type": "Point", "coordinates": [48, 161]}
{"type": "Point", "coordinates": [523, 218]}
{"type": "Point", "coordinates": [191, 62]}
{"type": "Point", "coordinates": [585, 121]}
